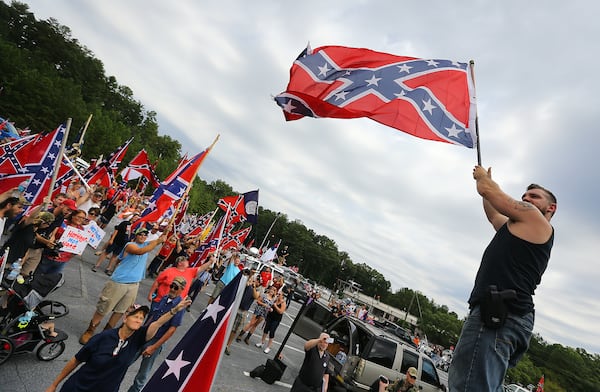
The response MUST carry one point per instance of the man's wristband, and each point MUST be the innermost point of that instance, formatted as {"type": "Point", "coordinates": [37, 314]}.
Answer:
{"type": "Point", "coordinates": [173, 313]}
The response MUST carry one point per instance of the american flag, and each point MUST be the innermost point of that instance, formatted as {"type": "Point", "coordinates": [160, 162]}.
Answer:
{"type": "Point", "coordinates": [193, 363]}
{"type": "Point", "coordinates": [33, 160]}
{"type": "Point", "coordinates": [430, 99]}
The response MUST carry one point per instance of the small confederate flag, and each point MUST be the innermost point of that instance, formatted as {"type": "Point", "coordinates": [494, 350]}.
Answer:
{"type": "Point", "coordinates": [193, 363]}
{"type": "Point", "coordinates": [103, 173]}
{"type": "Point", "coordinates": [430, 99]}
{"type": "Point", "coordinates": [140, 166]}
{"type": "Point", "coordinates": [235, 240]}
{"type": "Point", "coordinates": [172, 189]}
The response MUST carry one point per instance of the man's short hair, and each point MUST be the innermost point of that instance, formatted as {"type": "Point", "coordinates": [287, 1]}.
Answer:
{"type": "Point", "coordinates": [10, 200]}
{"type": "Point", "coordinates": [550, 195]}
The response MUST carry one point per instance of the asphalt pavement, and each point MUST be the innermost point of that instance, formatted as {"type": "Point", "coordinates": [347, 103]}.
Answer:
{"type": "Point", "coordinates": [25, 373]}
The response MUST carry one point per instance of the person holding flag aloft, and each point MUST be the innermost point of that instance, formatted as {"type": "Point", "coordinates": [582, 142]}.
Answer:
{"type": "Point", "coordinates": [497, 331]}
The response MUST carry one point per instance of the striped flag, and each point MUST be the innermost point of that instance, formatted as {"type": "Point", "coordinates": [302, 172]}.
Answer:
{"type": "Point", "coordinates": [193, 363]}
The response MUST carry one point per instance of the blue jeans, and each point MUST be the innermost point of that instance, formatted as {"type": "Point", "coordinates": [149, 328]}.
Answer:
{"type": "Point", "coordinates": [483, 355]}
{"type": "Point", "coordinates": [145, 367]}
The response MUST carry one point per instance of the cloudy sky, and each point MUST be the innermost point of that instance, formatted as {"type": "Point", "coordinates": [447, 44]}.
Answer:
{"type": "Point", "coordinates": [403, 205]}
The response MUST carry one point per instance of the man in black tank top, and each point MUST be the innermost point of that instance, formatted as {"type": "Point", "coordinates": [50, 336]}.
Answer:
{"type": "Point", "coordinates": [497, 332]}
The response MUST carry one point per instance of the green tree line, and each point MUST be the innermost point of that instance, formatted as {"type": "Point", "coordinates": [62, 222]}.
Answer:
{"type": "Point", "coordinates": [47, 76]}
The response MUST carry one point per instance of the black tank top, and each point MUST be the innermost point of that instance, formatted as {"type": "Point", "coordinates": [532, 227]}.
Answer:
{"type": "Point", "coordinates": [510, 262]}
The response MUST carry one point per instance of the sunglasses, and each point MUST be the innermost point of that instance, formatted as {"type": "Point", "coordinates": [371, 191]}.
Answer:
{"type": "Point", "coordinates": [144, 234]}
{"type": "Point", "coordinates": [413, 377]}
{"type": "Point", "coordinates": [92, 214]}
{"type": "Point", "coordinates": [175, 286]}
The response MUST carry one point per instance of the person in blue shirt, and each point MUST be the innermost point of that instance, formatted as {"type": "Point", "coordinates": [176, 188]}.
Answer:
{"type": "Point", "coordinates": [121, 290]}
{"type": "Point", "coordinates": [231, 271]}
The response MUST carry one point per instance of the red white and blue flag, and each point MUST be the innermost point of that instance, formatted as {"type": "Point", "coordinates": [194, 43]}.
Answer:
{"type": "Point", "coordinates": [243, 207]}
{"type": "Point", "coordinates": [172, 189]}
{"type": "Point", "coordinates": [201, 223]}
{"type": "Point", "coordinates": [235, 240]}
{"type": "Point", "coordinates": [31, 160]}
{"type": "Point", "coordinates": [430, 99]}
{"type": "Point", "coordinates": [212, 242]}
{"type": "Point", "coordinates": [138, 167]}
{"type": "Point", "coordinates": [103, 173]}
{"type": "Point", "coordinates": [193, 363]}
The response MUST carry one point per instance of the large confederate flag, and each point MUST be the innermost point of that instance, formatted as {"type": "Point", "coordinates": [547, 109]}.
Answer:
{"type": "Point", "coordinates": [430, 99]}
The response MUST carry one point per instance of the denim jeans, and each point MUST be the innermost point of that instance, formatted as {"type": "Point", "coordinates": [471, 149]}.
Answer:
{"type": "Point", "coordinates": [49, 266]}
{"type": "Point", "coordinates": [483, 355]}
{"type": "Point", "coordinates": [145, 367]}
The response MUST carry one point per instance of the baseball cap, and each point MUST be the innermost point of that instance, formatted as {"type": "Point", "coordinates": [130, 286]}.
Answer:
{"type": "Point", "coordinates": [412, 371]}
{"type": "Point", "coordinates": [141, 230]}
{"type": "Point", "coordinates": [70, 204]}
{"type": "Point", "coordinates": [137, 309]}
{"type": "Point", "coordinates": [180, 281]}
{"type": "Point", "coordinates": [46, 217]}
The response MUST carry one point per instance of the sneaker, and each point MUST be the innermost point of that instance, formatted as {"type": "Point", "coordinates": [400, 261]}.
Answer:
{"type": "Point", "coordinates": [107, 272]}
{"type": "Point", "coordinates": [246, 340]}
{"type": "Point", "coordinates": [227, 351]}
{"type": "Point", "coordinates": [267, 350]}
{"type": "Point", "coordinates": [259, 345]}
{"type": "Point", "coordinates": [94, 269]}
{"type": "Point", "coordinates": [238, 339]}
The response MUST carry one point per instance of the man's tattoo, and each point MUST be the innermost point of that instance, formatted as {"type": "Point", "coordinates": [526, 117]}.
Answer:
{"type": "Point", "coordinates": [523, 205]}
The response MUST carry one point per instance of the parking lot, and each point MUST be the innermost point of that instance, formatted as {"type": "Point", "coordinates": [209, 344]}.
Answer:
{"type": "Point", "coordinates": [24, 372]}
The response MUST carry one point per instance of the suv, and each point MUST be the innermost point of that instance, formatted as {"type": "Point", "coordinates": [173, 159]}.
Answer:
{"type": "Point", "coordinates": [362, 352]}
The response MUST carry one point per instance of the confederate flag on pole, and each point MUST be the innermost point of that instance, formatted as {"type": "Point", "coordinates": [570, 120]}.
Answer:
{"type": "Point", "coordinates": [31, 160]}
{"type": "Point", "coordinates": [193, 363]}
{"type": "Point", "coordinates": [430, 99]}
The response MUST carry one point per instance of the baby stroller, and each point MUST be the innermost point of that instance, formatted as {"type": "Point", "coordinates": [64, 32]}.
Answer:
{"type": "Point", "coordinates": [25, 318]}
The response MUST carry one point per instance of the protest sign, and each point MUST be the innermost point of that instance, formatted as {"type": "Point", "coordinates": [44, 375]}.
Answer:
{"type": "Point", "coordinates": [94, 233]}
{"type": "Point", "coordinates": [73, 240]}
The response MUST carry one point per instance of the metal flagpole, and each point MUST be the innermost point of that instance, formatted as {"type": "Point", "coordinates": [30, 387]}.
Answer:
{"type": "Point", "coordinates": [83, 181]}
{"type": "Point", "coordinates": [472, 68]}
{"type": "Point", "coordinates": [268, 232]}
{"type": "Point", "coordinates": [58, 158]}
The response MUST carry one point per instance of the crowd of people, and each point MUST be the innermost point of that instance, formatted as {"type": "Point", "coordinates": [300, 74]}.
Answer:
{"type": "Point", "coordinates": [128, 254]}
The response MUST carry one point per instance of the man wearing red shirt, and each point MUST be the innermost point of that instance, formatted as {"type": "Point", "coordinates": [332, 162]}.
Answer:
{"type": "Point", "coordinates": [163, 282]}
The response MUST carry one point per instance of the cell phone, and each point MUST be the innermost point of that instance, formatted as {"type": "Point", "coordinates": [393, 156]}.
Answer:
{"type": "Point", "coordinates": [329, 340]}
{"type": "Point", "coordinates": [384, 379]}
